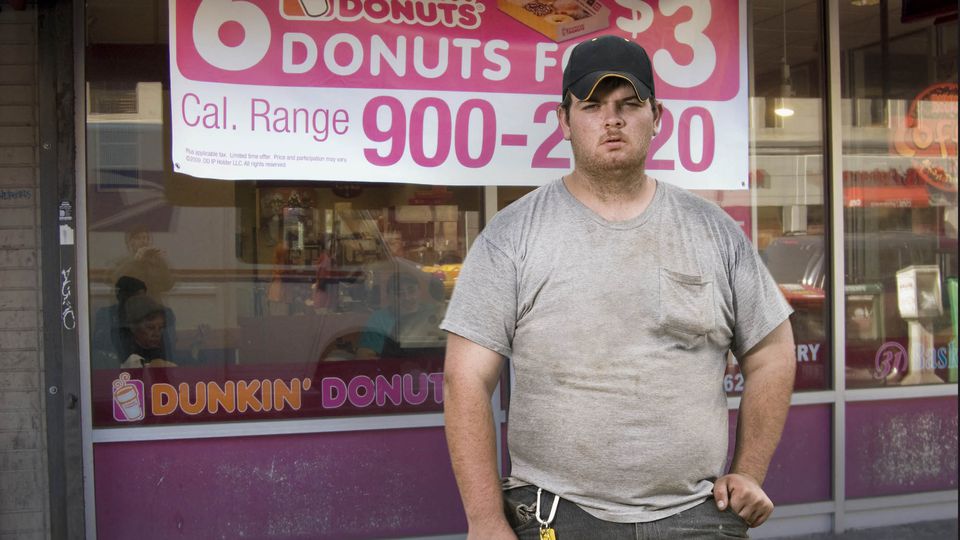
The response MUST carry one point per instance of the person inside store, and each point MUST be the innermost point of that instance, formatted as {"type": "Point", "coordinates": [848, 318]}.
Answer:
{"type": "Point", "coordinates": [289, 289]}
{"type": "Point", "coordinates": [142, 335]}
{"type": "Point", "coordinates": [405, 326]}
{"type": "Point", "coordinates": [395, 244]}
{"type": "Point", "coordinates": [320, 297]}
{"type": "Point", "coordinates": [108, 327]}
{"type": "Point", "coordinates": [616, 298]}
{"type": "Point", "coordinates": [145, 262]}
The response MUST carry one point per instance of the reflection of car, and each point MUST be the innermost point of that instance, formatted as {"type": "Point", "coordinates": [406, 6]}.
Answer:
{"type": "Point", "coordinates": [447, 272]}
{"type": "Point", "coordinates": [799, 265]}
{"type": "Point", "coordinates": [330, 330]}
{"type": "Point", "coordinates": [797, 260]}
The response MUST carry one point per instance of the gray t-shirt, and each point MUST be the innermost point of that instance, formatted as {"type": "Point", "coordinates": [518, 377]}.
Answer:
{"type": "Point", "coordinates": [618, 333]}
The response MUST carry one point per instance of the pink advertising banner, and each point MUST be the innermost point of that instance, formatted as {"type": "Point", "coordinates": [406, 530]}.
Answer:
{"type": "Point", "coordinates": [455, 92]}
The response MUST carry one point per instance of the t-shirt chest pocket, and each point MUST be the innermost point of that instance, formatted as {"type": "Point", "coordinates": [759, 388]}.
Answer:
{"type": "Point", "coordinates": [686, 303]}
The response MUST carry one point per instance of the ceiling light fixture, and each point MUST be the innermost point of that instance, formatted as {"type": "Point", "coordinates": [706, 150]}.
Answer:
{"type": "Point", "coordinates": [781, 107]}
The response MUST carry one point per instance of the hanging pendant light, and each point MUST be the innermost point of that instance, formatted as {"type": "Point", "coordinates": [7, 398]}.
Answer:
{"type": "Point", "coordinates": [781, 106]}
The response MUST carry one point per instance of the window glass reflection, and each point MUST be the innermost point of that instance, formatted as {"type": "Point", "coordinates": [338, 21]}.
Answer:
{"type": "Point", "coordinates": [782, 212]}
{"type": "Point", "coordinates": [899, 113]}
{"type": "Point", "coordinates": [216, 301]}
{"type": "Point", "coordinates": [378, 278]}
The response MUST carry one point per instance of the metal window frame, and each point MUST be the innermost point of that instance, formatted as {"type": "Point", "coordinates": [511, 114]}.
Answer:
{"type": "Point", "coordinates": [833, 161]}
{"type": "Point", "coordinates": [83, 300]}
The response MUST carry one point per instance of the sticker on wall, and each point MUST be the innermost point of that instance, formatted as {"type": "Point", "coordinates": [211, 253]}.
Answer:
{"type": "Point", "coordinates": [128, 404]}
{"type": "Point", "coordinates": [66, 235]}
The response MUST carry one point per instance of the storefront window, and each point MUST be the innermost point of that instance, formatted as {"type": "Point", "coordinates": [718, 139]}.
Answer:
{"type": "Point", "coordinates": [782, 212]}
{"type": "Point", "coordinates": [899, 87]}
{"type": "Point", "coordinates": [243, 296]}
{"type": "Point", "coordinates": [250, 299]}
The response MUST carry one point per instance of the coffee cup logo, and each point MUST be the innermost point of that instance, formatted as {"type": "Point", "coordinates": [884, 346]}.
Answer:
{"type": "Point", "coordinates": [128, 402]}
{"type": "Point", "coordinates": [315, 8]}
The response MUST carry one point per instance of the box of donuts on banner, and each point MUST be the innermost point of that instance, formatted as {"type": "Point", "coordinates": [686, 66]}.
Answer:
{"type": "Point", "coordinates": [559, 20]}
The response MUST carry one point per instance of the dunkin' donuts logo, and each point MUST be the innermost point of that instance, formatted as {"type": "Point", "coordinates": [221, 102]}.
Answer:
{"type": "Point", "coordinates": [449, 13]}
{"type": "Point", "coordinates": [236, 36]}
{"type": "Point", "coordinates": [128, 401]}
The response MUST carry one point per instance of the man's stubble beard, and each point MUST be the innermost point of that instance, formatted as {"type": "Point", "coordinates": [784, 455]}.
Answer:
{"type": "Point", "coordinates": [609, 177]}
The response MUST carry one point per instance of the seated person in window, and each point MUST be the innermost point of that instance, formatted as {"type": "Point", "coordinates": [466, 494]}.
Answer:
{"type": "Point", "coordinates": [142, 335]}
{"type": "Point", "coordinates": [107, 325]}
{"type": "Point", "coordinates": [409, 323]}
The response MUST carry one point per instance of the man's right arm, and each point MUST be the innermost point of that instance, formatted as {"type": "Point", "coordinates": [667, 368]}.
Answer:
{"type": "Point", "coordinates": [470, 375]}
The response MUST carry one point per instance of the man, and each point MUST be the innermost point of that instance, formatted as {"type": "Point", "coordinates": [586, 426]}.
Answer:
{"type": "Point", "coordinates": [617, 298]}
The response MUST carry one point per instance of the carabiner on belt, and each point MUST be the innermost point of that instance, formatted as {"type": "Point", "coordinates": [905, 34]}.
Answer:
{"type": "Point", "coordinates": [547, 532]}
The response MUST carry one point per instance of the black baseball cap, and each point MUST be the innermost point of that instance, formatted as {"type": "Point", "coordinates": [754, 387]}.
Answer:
{"type": "Point", "coordinates": [593, 60]}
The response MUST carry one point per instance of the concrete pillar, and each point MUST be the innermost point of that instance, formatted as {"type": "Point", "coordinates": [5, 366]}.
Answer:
{"type": "Point", "coordinates": [23, 481]}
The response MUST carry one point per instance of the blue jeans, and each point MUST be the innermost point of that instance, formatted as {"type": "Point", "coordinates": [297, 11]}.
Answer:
{"type": "Point", "coordinates": [701, 522]}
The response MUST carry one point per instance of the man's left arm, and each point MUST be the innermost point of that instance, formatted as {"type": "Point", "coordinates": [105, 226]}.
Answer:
{"type": "Point", "coordinates": [768, 370]}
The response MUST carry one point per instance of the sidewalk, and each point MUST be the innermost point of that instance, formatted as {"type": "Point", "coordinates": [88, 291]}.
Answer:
{"type": "Point", "coordinates": [927, 530]}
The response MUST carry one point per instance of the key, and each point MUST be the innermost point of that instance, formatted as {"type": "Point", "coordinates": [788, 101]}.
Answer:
{"type": "Point", "coordinates": [547, 533]}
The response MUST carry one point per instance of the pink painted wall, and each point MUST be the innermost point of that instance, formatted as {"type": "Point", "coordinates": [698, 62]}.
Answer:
{"type": "Point", "coordinates": [389, 483]}
{"type": "Point", "coordinates": [397, 483]}
{"type": "Point", "coordinates": [901, 446]}
{"type": "Point", "coordinates": [800, 471]}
